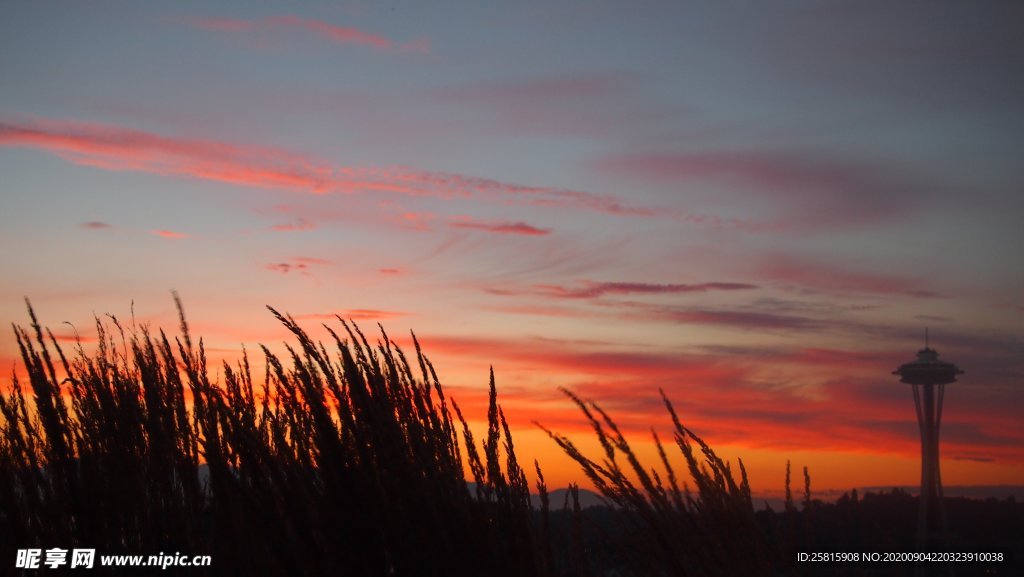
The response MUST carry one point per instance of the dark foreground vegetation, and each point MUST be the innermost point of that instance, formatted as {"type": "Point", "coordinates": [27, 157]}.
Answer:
{"type": "Point", "coordinates": [348, 459]}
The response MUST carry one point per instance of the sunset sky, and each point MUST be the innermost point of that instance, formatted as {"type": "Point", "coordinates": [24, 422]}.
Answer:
{"type": "Point", "coordinates": [757, 210]}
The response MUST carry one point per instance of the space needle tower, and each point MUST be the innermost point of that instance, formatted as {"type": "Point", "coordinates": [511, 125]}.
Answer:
{"type": "Point", "coordinates": [929, 376]}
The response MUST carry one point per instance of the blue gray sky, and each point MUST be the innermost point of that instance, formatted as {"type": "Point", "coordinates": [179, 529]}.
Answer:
{"type": "Point", "coordinates": [757, 208]}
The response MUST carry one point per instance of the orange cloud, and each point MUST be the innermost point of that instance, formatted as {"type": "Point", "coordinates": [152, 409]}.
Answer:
{"type": "Point", "coordinates": [170, 234]}
{"type": "Point", "coordinates": [355, 315]}
{"type": "Point", "coordinates": [65, 338]}
{"type": "Point", "coordinates": [121, 149]}
{"type": "Point", "coordinates": [500, 227]}
{"type": "Point", "coordinates": [776, 399]}
{"type": "Point", "coordinates": [115, 148]}
{"type": "Point", "coordinates": [568, 359]}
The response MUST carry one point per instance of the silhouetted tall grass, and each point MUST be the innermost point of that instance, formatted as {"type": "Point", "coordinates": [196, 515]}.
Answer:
{"type": "Point", "coordinates": [670, 530]}
{"type": "Point", "coordinates": [344, 462]}
{"type": "Point", "coordinates": [344, 459]}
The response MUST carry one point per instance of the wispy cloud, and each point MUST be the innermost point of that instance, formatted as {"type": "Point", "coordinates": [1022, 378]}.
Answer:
{"type": "Point", "coordinates": [355, 315]}
{"type": "Point", "coordinates": [312, 260]}
{"type": "Point", "coordinates": [414, 220]}
{"type": "Point", "coordinates": [301, 264]}
{"type": "Point", "coordinates": [170, 234]}
{"type": "Point", "coordinates": [500, 227]}
{"type": "Point", "coordinates": [74, 338]}
{"type": "Point", "coordinates": [116, 148]}
{"type": "Point", "coordinates": [296, 225]}
{"type": "Point", "coordinates": [587, 104]}
{"type": "Point", "coordinates": [543, 311]}
{"type": "Point", "coordinates": [730, 396]}
{"type": "Point", "coordinates": [804, 190]}
{"type": "Point", "coordinates": [568, 357]}
{"type": "Point", "coordinates": [807, 274]}
{"type": "Point", "coordinates": [122, 149]}
{"type": "Point", "coordinates": [634, 311]}
{"type": "Point", "coordinates": [972, 458]}
{"type": "Point", "coordinates": [318, 28]}
{"type": "Point", "coordinates": [285, 267]}
{"type": "Point", "coordinates": [933, 318]}
{"type": "Point", "coordinates": [589, 289]}
{"type": "Point", "coordinates": [544, 89]}
{"type": "Point", "coordinates": [741, 319]}
{"type": "Point", "coordinates": [96, 225]}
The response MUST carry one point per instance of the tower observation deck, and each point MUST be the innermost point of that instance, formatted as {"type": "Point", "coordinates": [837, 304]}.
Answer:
{"type": "Point", "coordinates": [929, 376]}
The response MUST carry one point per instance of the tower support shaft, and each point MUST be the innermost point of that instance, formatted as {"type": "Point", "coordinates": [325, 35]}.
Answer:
{"type": "Point", "coordinates": [931, 519]}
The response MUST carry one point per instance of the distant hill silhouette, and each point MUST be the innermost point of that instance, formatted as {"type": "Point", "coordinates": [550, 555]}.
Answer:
{"type": "Point", "coordinates": [560, 497]}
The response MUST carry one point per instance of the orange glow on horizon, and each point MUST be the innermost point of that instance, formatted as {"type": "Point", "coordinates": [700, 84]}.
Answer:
{"type": "Point", "coordinates": [764, 428]}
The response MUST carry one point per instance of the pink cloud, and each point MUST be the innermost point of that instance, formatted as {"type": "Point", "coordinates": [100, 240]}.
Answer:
{"type": "Point", "coordinates": [299, 263]}
{"type": "Point", "coordinates": [339, 34]}
{"type": "Point", "coordinates": [96, 225]}
{"type": "Point", "coordinates": [284, 267]}
{"type": "Point", "coordinates": [116, 148]}
{"type": "Point", "coordinates": [456, 185]}
{"type": "Point", "coordinates": [170, 234]}
{"type": "Point", "coordinates": [326, 31]}
{"type": "Point", "coordinates": [224, 24]}
{"type": "Point", "coordinates": [804, 190]}
{"type": "Point", "coordinates": [775, 171]}
{"type": "Point", "coordinates": [646, 312]}
{"type": "Point", "coordinates": [120, 149]}
{"type": "Point", "coordinates": [634, 311]}
{"type": "Point", "coordinates": [591, 105]}
{"type": "Point", "coordinates": [820, 276]}
{"type": "Point", "coordinates": [597, 289]}
{"type": "Point", "coordinates": [311, 260]}
{"type": "Point", "coordinates": [538, 310]}
{"type": "Point", "coordinates": [416, 220]}
{"type": "Point", "coordinates": [570, 88]}
{"type": "Point", "coordinates": [500, 227]}
{"type": "Point", "coordinates": [740, 319]}
{"type": "Point", "coordinates": [298, 224]}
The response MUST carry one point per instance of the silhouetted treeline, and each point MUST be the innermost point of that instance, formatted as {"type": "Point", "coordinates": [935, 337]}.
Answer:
{"type": "Point", "coordinates": [348, 459]}
{"type": "Point", "coordinates": [874, 522]}
{"type": "Point", "coordinates": [887, 522]}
